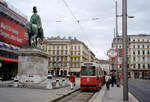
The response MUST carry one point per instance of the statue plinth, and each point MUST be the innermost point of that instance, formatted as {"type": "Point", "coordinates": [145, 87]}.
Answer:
{"type": "Point", "coordinates": [32, 66]}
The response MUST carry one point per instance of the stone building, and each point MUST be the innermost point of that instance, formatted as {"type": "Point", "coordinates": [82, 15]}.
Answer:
{"type": "Point", "coordinates": [13, 36]}
{"type": "Point", "coordinates": [66, 55]}
{"type": "Point", "coordinates": [105, 65]}
{"type": "Point", "coordinates": [138, 54]}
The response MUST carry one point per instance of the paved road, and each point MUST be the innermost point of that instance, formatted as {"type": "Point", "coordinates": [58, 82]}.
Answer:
{"type": "Point", "coordinates": [140, 89]}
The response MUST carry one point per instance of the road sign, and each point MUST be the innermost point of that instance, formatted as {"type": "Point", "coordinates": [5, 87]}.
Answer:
{"type": "Point", "coordinates": [112, 53]}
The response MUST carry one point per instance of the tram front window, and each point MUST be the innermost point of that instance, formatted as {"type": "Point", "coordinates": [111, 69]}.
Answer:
{"type": "Point", "coordinates": [88, 71]}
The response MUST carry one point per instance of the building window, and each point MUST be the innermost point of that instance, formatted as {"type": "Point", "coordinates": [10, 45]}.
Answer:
{"type": "Point", "coordinates": [148, 66]}
{"type": "Point", "coordinates": [65, 58]}
{"type": "Point", "coordinates": [133, 58]}
{"type": "Point", "coordinates": [133, 52]}
{"type": "Point", "coordinates": [57, 52]}
{"type": "Point", "coordinates": [138, 52]}
{"type": "Point", "coordinates": [143, 58]}
{"type": "Point", "coordinates": [57, 47]}
{"type": "Point", "coordinates": [143, 46]}
{"type": "Point", "coordinates": [79, 53]}
{"type": "Point", "coordinates": [57, 58]}
{"type": "Point", "coordinates": [74, 65]}
{"type": "Point", "coordinates": [133, 46]}
{"type": "Point", "coordinates": [138, 46]}
{"type": "Point", "coordinates": [133, 65]}
{"type": "Point", "coordinates": [147, 52]}
{"type": "Point", "coordinates": [61, 58]}
{"type": "Point", "coordinates": [75, 47]}
{"type": "Point", "coordinates": [143, 40]}
{"type": "Point", "coordinates": [138, 66]}
{"type": "Point", "coordinates": [147, 46]}
{"type": "Point", "coordinates": [143, 65]}
{"type": "Point", "coordinates": [62, 47]}
{"type": "Point", "coordinates": [143, 52]}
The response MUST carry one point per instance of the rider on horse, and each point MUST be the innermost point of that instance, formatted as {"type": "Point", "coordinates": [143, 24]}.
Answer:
{"type": "Point", "coordinates": [34, 28]}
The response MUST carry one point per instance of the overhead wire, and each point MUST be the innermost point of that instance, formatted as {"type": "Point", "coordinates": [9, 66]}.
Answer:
{"type": "Point", "coordinates": [71, 12]}
{"type": "Point", "coordinates": [76, 20]}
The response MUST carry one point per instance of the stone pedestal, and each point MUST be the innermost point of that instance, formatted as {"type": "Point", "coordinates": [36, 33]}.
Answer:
{"type": "Point", "coordinates": [32, 66]}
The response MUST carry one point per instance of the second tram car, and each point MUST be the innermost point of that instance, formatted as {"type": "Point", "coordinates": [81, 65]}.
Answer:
{"type": "Point", "coordinates": [92, 76]}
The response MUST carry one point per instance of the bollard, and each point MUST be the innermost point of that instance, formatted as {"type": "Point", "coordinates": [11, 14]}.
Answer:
{"type": "Point", "coordinates": [57, 83]}
{"type": "Point", "coordinates": [49, 83]}
{"type": "Point", "coordinates": [63, 82]}
{"type": "Point", "coordinates": [15, 82]}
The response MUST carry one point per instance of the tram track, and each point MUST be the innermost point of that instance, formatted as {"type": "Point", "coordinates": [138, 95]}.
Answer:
{"type": "Point", "coordinates": [77, 96]}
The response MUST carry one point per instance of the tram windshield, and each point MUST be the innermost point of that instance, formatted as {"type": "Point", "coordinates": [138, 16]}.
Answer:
{"type": "Point", "coordinates": [87, 71]}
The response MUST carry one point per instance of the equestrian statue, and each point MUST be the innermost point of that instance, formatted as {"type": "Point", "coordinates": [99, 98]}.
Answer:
{"type": "Point", "coordinates": [34, 29]}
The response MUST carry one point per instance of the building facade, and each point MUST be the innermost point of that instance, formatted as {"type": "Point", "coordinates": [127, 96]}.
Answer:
{"type": "Point", "coordinates": [138, 54]}
{"type": "Point", "coordinates": [105, 65]}
{"type": "Point", "coordinates": [12, 37]}
{"type": "Point", "coordinates": [66, 55]}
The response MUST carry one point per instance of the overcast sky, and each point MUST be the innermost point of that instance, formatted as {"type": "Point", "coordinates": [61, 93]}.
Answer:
{"type": "Point", "coordinates": [96, 34]}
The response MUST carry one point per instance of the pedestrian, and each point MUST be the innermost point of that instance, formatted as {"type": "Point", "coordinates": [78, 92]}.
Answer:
{"type": "Point", "coordinates": [119, 78]}
{"type": "Point", "coordinates": [72, 81]}
{"type": "Point", "coordinates": [107, 80]}
{"type": "Point", "coordinates": [112, 79]}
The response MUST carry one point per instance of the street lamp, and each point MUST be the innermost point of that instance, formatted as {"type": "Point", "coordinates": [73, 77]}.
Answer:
{"type": "Point", "coordinates": [116, 6]}
{"type": "Point", "coordinates": [124, 32]}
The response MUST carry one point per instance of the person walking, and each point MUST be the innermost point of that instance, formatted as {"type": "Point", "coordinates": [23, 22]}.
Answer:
{"type": "Point", "coordinates": [72, 81]}
{"type": "Point", "coordinates": [107, 80]}
{"type": "Point", "coordinates": [112, 79]}
{"type": "Point", "coordinates": [119, 78]}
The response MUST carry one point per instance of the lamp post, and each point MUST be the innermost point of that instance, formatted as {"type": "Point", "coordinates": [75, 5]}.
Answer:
{"type": "Point", "coordinates": [124, 32]}
{"type": "Point", "coordinates": [116, 6]}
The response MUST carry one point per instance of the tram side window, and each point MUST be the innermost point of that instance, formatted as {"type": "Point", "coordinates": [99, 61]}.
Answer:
{"type": "Point", "coordinates": [88, 71]}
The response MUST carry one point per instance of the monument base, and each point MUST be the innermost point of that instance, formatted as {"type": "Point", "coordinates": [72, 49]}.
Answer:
{"type": "Point", "coordinates": [32, 66]}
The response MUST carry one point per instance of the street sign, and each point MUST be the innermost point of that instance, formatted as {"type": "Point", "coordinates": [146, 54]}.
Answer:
{"type": "Point", "coordinates": [112, 53]}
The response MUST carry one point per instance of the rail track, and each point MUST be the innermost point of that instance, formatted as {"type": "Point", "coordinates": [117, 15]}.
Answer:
{"type": "Point", "coordinates": [77, 96]}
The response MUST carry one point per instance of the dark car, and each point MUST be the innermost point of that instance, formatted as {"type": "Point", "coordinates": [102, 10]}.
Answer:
{"type": "Point", "coordinates": [147, 77]}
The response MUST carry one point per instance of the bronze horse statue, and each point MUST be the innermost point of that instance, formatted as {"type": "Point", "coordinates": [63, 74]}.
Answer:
{"type": "Point", "coordinates": [34, 29]}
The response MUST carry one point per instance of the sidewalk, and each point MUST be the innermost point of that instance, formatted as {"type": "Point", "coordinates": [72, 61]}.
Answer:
{"type": "Point", "coordinates": [115, 94]}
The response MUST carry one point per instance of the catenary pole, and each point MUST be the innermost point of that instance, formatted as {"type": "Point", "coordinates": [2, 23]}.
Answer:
{"type": "Point", "coordinates": [124, 32]}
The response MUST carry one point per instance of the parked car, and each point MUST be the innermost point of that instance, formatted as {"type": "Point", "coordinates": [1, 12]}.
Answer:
{"type": "Point", "coordinates": [147, 77]}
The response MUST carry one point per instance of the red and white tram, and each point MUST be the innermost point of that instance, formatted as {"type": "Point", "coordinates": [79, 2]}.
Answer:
{"type": "Point", "coordinates": [92, 76]}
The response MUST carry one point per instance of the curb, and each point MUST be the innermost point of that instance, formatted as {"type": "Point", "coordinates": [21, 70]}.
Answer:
{"type": "Point", "coordinates": [55, 100]}
{"type": "Point", "coordinates": [135, 99]}
{"type": "Point", "coordinates": [98, 97]}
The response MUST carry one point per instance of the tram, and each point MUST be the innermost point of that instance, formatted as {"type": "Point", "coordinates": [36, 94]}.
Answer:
{"type": "Point", "coordinates": [92, 76]}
